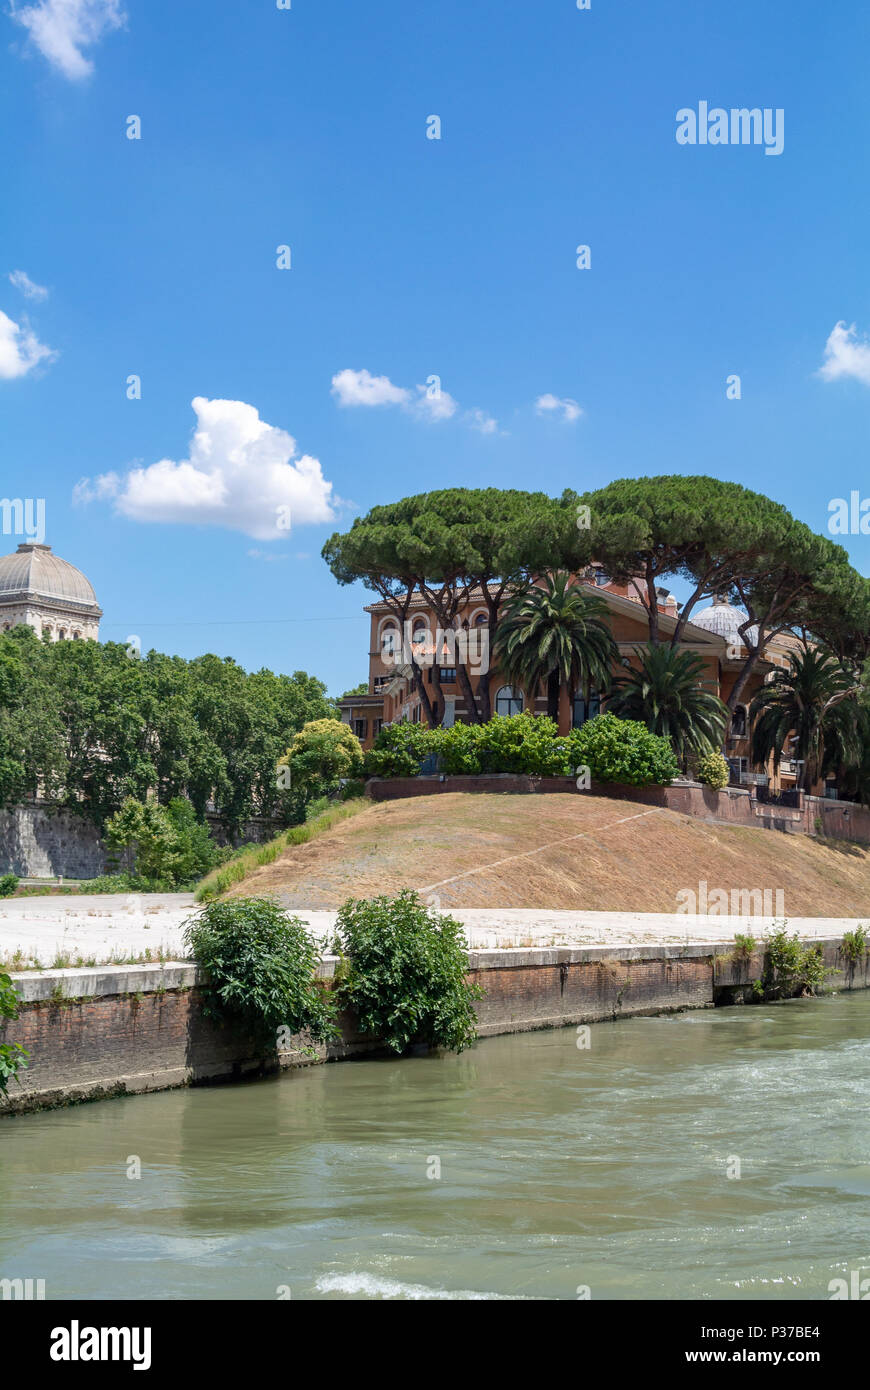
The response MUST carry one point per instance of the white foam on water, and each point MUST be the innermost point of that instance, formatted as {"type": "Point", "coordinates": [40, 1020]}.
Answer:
{"type": "Point", "coordinates": [373, 1286]}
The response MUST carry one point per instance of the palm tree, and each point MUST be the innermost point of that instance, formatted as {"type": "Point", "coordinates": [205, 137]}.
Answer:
{"type": "Point", "coordinates": [664, 692]}
{"type": "Point", "coordinates": [555, 632]}
{"type": "Point", "coordinates": [813, 703]}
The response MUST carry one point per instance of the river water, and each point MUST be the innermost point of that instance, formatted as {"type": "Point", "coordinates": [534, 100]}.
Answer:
{"type": "Point", "coordinates": [561, 1168]}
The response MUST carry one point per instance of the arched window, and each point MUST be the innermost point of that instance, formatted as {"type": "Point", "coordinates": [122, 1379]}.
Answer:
{"type": "Point", "coordinates": [482, 620]}
{"type": "Point", "coordinates": [61, 636]}
{"type": "Point", "coordinates": [584, 709]}
{"type": "Point", "coordinates": [508, 701]}
{"type": "Point", "coordinates": [76, 636]}
{"type": "Point", "coordinates": [389, 641]}
{"type": "Point", "coordinates": [738, 722]}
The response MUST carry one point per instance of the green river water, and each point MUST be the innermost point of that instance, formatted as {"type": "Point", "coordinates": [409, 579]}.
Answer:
{"type": "Point", "coordinates": [559, 1168]}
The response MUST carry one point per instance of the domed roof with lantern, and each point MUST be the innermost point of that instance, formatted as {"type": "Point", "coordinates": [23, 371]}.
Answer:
{"type": "Point", "coordinates": [723, 619]}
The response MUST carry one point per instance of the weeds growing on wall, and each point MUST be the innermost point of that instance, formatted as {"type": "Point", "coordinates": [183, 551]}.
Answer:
{"type": "Point", "coordinates": [405, 973]}
{"type": "Point", "coordinates": [13, 1057]}
{"type": "Point", "coordinates": [261, 966]}
{"type": "Point", "coordinates": [791, 968]}
{"type": "Point", "coordinates": [855, 944]}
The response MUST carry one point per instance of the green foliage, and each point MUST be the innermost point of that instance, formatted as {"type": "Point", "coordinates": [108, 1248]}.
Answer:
{"type": "Point", "coordinates": [361, 689]}
{"type": "Point", "coordinates": [791, 968]}
{"type": "Point", "coordinates": [813, 702]}
{"type": "Point", "coordinates": [712, 770]}
{"type": "Point", "coordinates": [406, 973]}
{"type": "Point", "coordinates": [744, 945]}
{"type": "Point", "coordinates": [855, 944]}
{"type": "Point", "coordinates": [622, 750]}
{"type": "Point", "coordinates": [13, 1057]}
{"type": "Point", "coordinates": [8, 884]}
{"type": "Point", "coordinates": [261, 967]}
{"type": "Point", "coordinates": [169, 844]}
{"type": "Point", "coordinates": [555, 634]}
{"type": "Point", "coordinates": [665, 693]}
{"type": "Point", "coordinates": [323, 753]}
{"type": "Point", "coordinates": [124, 883]}
{"type": "Point", "coordinates": [615, 750]}
{"type": "Point", "coordinates": [89, 726]}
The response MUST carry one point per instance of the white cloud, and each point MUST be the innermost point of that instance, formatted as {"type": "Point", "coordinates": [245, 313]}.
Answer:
{"type": "Point", "coordinates": [479, 420]}
{"type": "Point", "coordinates": [61, 29]}
{"type": "Point", "coordinates": [239, 475]}
{"type": "Point", "coordinates": [361, 388]}
{"type": "Point", "coordinates": [20, 349]}
{"type": "Point", "coordinates": [439, 405]}
{"type": "Point", "coordinates": [846, 355]}
{"type": "Point", "coordinates": [571, 411]}
{"type": "Point", "coordinates": [22, 281]}
{"type": "Point", "coordinates": [430, 403]}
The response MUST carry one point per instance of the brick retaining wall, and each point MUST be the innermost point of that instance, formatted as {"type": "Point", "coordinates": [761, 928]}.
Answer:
{"type": "Point", "coordinates": [124, 1029]}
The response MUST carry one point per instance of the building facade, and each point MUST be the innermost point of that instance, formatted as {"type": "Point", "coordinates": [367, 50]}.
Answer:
{"type": "Point", "coordinates": [392, 694]}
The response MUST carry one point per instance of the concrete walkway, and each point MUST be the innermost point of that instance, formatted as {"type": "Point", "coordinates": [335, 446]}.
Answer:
{"type": "Point", "coordinates": [118, 928]}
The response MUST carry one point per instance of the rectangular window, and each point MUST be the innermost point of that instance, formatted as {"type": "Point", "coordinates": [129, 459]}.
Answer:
{"type": "Point", "coordinates": [448, 674]}
{"type": "Point", "coordinates": [360, 727]}
{"type": "Point", "coordinates": [378, 725]}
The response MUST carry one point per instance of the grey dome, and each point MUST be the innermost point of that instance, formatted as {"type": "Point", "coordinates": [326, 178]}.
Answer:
{"type": "Point", "coordinates": [723, 619]}
{"type": "Point", "coordinates": [34, 571]}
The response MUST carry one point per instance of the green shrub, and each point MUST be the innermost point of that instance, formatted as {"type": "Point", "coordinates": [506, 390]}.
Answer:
{"type": "Point", "coordinates": [13, 1057]}
{"type": "Point", "coordinates": [791, 968]}
{"type": "Point", "coordinates": [406, 973]}
{"type": "Point", "coordinates": [712, 769]}
{"type": "Point", "coordinates": [321, 754]}
{"type": "Point", "coordinates": [169, 845]}
{"type": "Point", "coordinates": [125, 883]}
{"type": "Point", "coordinates": [622, 750]}
{"type": "Point", "coordinates": [260, 964]}
{"type": "Point", "coordinates": [854, 944]}
{"type": "Point", "coordinates": [8, 884]}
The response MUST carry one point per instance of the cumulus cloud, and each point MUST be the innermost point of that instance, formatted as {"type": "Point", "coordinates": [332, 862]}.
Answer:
{"type": "Point", "coordinates": [361, 388]}
{"type": "Point", "coordinates": [241, 473]}
{"type": "Point", "coordinates": [61, 29]}
{"type": "Point", "coordinates": [570, 410]}
{"type": "Point", "coordinates": [846, 355]}
{"type": "Point", "coordinates": [20, 349]}
{"type": "Point", "coordinates": [22, 281]}
{"type": "Point", "coordinates": [430, 402]}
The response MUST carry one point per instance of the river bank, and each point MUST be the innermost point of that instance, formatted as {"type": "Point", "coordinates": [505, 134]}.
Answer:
{"type": "Point", "coordinates": [97, 1032]}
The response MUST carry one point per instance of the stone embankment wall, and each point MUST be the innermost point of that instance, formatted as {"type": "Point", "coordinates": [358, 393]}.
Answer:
{"type": "Point", "coordinates": [814, 815]}
{"type": "Point", "coordinates": [117, 1030]}
{"type": "Point", "coordinates": [40, 840]}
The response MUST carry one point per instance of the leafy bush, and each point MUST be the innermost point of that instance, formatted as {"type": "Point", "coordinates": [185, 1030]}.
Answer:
{"type": "Point", "coordinates": [13, 1057]}
{"type": "Point", "coordinates": [8, 884]}
{"type": "Point", "coordinates": [615, 750]}
{"type": "Point", "coordinates": [855, 944]}
{"type": "Point", "coordinates": [321, 754]}
{"type": "Point", "coordinates": [712, 769]}
{"type": "Point", "coordinates": [125, 883]}
{"type": "Point", "coordinates": [406, 973]}
{"type": "Point", "coordinates": [791, 968]}
{"type": "Point", "coordinates": [169, 845]}
{"type": "Point", "coordinates": [261, 963]}
{"type": "Point", "coordinates": [622, 750]}
{"type": "Point", "coordinates": [399, 750]}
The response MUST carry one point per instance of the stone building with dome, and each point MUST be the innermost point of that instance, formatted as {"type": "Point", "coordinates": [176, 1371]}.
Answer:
{"type": "Point", "coordinates": [712, 634]}
{"type": "Point", "coordinates": [47, 593]}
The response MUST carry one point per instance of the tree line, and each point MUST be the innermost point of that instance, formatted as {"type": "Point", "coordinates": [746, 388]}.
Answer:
{"type": "Point", "coordinates": [716, 536]}
{"type": "Point", "coordinates": [86, 726]}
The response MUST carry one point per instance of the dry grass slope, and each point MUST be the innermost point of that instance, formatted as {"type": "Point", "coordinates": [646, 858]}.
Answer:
{"type": "Point", "coordinates": [583, 852]}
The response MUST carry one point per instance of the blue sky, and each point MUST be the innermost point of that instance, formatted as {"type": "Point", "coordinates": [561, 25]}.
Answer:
{"type": "Point", "coordinates": [410, 258]}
